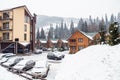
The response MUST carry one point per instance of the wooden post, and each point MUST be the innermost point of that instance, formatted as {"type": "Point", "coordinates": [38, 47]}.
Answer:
{"type": "Point", "coordinates": [16, 42]}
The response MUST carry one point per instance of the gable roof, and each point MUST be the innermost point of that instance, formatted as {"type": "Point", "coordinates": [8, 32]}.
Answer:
{"type": "Point", "coordinates": [83, 34]}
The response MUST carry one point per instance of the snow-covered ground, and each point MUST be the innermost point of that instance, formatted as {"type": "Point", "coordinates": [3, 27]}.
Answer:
{"type": "Point", "coordinates": [99, 62]}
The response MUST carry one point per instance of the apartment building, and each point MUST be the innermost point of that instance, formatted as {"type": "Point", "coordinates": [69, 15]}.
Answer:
{"type": "Point", "coordinates": [17, 30]}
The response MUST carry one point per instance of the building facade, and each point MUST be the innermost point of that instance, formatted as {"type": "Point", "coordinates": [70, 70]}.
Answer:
{"type": "Point", "coordinates": [78, 40]}
{"type": "Point", "coordinates": [17, 27]}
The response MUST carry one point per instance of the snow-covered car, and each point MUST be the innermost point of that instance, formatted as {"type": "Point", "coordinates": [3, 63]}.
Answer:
{"type": "Point", "coordinates": [40, 70]}
{"type": "Point", "coordinates": [12, 61]}
{"type": "Point", "coordinates": [38, 51]}
{"type": "Point", "coordinates": [5, 57]}
{"type": "Point", "coordinates": [44, 49]}
{"type": "Point", "coordinates": [55, 56]}
{"type": "Point", "coordinates": [24, 65]}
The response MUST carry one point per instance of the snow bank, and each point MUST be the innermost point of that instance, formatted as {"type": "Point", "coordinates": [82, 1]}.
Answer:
{"type": "Point", "coordinates": [5, 75]}
{"type": "Point", "coordinates": [100, 62]}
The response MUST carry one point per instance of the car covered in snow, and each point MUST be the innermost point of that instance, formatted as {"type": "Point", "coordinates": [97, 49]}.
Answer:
{"type": "Point", "coordinates": [40, 70]}
{"type": "Point", "coordinates": [55, 56]}
{"type": "Point", "coordinates": [23, 65]}
{"type": "Point", "coordinates": [12, 62]}
{"type": "Point", "coordinates": [38, 51]}
{"type": "Point", "coordinates": [5, 57]}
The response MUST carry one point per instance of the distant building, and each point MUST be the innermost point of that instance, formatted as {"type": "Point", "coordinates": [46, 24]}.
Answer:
{"type": "Point", "coordinates": [52, 43]}
{"type": "Point", "coordinates": [78, 40]}
{"type": "Point", "coordinates": [17, 30]}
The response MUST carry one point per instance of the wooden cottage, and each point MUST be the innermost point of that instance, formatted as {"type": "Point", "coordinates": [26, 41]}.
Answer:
{"type": "Point", "coordinates": [60, 43]}
{"type": "Point", "coordinates": [49, 44]}
{"type": "Point", "coordinates": [52, 43]}
{"type": "Point", "coordinates": [78, 40]}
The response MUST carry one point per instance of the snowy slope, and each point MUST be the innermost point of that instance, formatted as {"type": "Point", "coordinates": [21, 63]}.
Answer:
{"type": "Point", "coordinates": [100, 62]}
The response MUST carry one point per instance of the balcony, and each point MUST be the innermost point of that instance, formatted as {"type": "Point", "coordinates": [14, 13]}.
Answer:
{"type": "Point", "coordinates": [5, 29]}
{"type": "Point", "coordinates": [7, 18]}
{"type": "Point", "coordinates": [4, 40]}
{"type": "Point", "coordinates": [72, 43]}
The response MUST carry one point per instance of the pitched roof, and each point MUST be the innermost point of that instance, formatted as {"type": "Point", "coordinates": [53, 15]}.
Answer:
{"type": "Point", "coordinates": [83, 34]}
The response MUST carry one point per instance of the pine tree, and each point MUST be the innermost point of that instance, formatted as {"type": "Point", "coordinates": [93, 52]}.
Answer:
{"type": "Point", "coordinates": [118, 18]}
{"type": "Point", "coordinates": [72, 27]}
{"type": "Point", "coordinates": [114, 34]}
{"type": "Point", "coordinates": [42, 34]}
{"type": "Point", "coordinates": [61, 30]}
{"type": "Point", "coordinates": [51, 33]}
{"type": "Point", "coordinates": [38, 34]}
{"type": "Point", "coordinates": [85, 27]}
{"type": "Point", "coordinates": [56, 32]}
{"type": "Point", "coordinates": [106, 21]}
{"type": "Point", "coordinates": [79, 26]}
{"type": "Point", "coordinates": [111, 19]}
{"type": "Point", "coordinates": [102, 31]}
{"type": "Point", "coordinates": [66, 31]}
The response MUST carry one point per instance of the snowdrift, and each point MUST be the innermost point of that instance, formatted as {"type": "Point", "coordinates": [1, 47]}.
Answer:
{"type": "Point", "coordinates": [99, 62]}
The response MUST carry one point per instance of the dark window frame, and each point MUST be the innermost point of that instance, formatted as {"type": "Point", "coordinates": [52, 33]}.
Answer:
{"type": "Point", "coordinates": [25, 36]}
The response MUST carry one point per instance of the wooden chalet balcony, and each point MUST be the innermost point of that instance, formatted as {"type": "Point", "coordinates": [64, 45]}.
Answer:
{"type": "Point", "coordinates": [72, 43]}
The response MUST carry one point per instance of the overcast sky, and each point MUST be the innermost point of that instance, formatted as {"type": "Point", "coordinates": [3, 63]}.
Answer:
{"type": "Point", "coordinates": [67, 8]}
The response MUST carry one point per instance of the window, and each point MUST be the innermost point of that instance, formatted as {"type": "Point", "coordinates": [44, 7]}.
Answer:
{"type": "Point", "coordinates": [6, 36]}
{"type": "Point", "coordinates": [5, 15]}
{"type": "Point", "coordinates": [73, 47]}
{"type": "Point", "coordinates": [25, 36]}
{"type": "Point", "coordinates": [25, 27]}
{"type": "Point", "coordinates": [27, 19]}
{"type": "Point", "coordinates": [80, 39]}
{"type": "Point", "coordinates": [72, 40]}
{"type": "Point", "coordinates": [6, 25]}
{"type": "Point", "coordinates": [80, 47]}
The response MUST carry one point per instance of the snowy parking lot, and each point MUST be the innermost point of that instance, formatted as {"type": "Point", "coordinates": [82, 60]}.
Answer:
{"type": "Point", "coordinates": [54, 66]}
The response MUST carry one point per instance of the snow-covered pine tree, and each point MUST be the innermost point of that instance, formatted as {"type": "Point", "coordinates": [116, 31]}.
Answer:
{"type": "Point", "coordinates": [114, 34]}
{"type": "Point", "coordinates": [102, 31]}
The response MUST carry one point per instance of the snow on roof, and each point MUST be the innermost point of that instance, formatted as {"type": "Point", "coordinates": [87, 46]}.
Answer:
{"type": "Point", "coordinates": [53, 41]}
{"type": "Point", "coordinates": [24, 43]}
{"type": "Point", "coordinates": [43, 41]}
{"type": "Point", "coordinates": [98, 62]}
{"type": "Point", "coordinates": [86, 35]}
{"type": "Point", "coordinates": [65, 41]}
